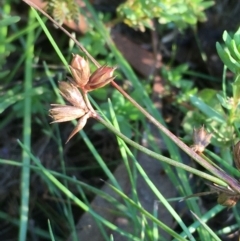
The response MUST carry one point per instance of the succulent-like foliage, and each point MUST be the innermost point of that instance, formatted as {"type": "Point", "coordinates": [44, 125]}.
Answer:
{"type": "Point", "coordinates": [138, 13]}
{"type": "Point", "coordinates": [230, 51]}
{"type": "Point", "coordinates": [62, 10]}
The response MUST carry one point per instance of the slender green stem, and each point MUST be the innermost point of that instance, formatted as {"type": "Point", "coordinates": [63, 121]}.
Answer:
{"type": "Point", "coordinates": [25, 176]}
{"type": "Point", "coordinates": [219, 173]}
{"type": "Point", "coordinates": [160, 157]}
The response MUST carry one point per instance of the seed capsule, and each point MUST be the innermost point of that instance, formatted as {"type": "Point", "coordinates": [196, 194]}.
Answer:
{"type": "Point", "coordinates": [100, 78]}
{"type": "Point", "coordinates": [62, 113]}
{"type": "Point", "coordinates": [226, 200]}
{"type": "Point", "coordinates": [80, 70]}
{"type": "Point", "coordinates": [71, 94]}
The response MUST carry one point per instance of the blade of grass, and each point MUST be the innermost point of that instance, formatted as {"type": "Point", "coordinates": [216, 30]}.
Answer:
{"type": "Point", "coordinates": [155, 229]}
{"type": "Point", "coordinates": [99, 224]}
{"type": "Point", "coordinates": [130, 169]}
{"type": "Point", "coordinates": [68, 213]}
{"type": "Point", "coordinates": [76, 200]}
{"type": "Point", "coordinates": [58, 51]}
{"type": "Point", "coordinates": [4, 29]}
{"type": "Point", "coordinates": [15, 221]}
{"type": "Point", "coordinates": [50, 231]}
{"type": "Point", "coordinates": [148, 181]}
{"type": "Point", "coordinates": [225, 165]}
{"type": "Point", "coordinates": [229, 230]}
{"type": "Point", "coordinates": [237, 216]}
{"type": "Point", "coordinates": [210, 231]}
{"type": "Point", "coordinates": [25, 175]}
{"type": "Point", "coordinates": [211, 213]}
{"type": "Point", "coordinates": [151, 217]}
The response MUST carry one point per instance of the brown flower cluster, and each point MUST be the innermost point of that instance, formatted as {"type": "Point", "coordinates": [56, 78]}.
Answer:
{"type": "Point", "coordinates": [226, 196]}
{"type": "Point", "coordinates": [80, 107]}
{"type": "Point", "coordinates": [201, 138]}
{"type": "Point", "coordinates": [82, 78]}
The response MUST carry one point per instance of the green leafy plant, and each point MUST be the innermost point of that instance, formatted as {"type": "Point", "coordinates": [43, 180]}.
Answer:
{"type": "Point", "coordinates": [175, 77]}
{"type": "Point", "coordinates": [230, 52]}
{"type": "Point", "coordinates": [63, 10]}
{"type": "Point", "coordinates": [5, 43]}
{"type": "Point", "coordinates": [230, 55]}
{"type": "Point", "coordinates": [219, 110]}
{"type": "Point", "coordinates": [138, 13]}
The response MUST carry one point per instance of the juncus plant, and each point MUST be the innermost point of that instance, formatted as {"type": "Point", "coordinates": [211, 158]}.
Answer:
{"type": "Point", "coordinates": [80, 107]}
{"type": "Point", "coordinates": [75, 92]}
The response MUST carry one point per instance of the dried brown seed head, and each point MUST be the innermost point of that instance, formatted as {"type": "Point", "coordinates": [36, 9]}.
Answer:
{"type": "Point", "coordinates": [79, 110]}
{"type": "Point", "coordinates": [226, 195]}
{"type": "Point", "coordinates": [100, 78]}
{"type": "Point", "coordinates": [80, 70]}
{"type": "Point", "coordinates": [62, 113]}
{"type": "Point", "coordinates": [236, 155]}
{"type": "Point", "coordinates": [225, 200]}
{"type": "Point", "coordinates": [201, 138]}
{"type": "Point", "coordinates": [72, 94]}
{"type": "Point", "coordinates": [81, 123]}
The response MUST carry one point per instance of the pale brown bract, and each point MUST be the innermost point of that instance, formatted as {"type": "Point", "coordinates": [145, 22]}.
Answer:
{"type": "Point", "coordinates": [80, 70]}
{"type": "Point", "coordinates": [88, 82]}
{"type": "Point", "coordinates": [201, 139]}
{"type": "Point", "coordinates": [63, 113]}
{"type": "Point", "coordinates": [72, 94]}
{"type": "Point", "coordinates": [101, 77]}
{"type": "Point", "coordinates": [77, 110]}
{"type": "Point", "coordinates": [80, 107]}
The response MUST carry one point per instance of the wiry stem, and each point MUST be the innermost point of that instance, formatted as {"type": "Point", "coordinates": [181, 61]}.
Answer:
{"type": "Point", "coordinates": [158, 156]}
{"type": "Point", "coordinates": [233, 183]}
